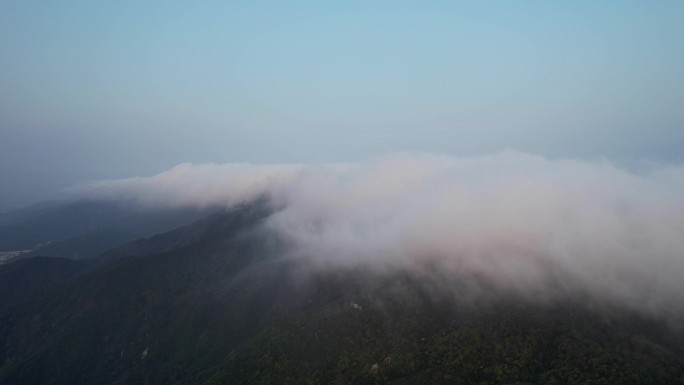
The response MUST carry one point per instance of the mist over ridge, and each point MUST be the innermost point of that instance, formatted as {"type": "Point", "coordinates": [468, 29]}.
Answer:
{"type": "Point", "coordinates": [523, 223]}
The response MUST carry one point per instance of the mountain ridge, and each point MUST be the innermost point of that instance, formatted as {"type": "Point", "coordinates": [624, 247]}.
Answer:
{"type": "Point", "coordinates": [219, 302]}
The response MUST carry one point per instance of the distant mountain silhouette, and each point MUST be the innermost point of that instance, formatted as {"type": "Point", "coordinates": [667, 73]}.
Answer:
{"type": "Point", "coordinates": [83, 229]}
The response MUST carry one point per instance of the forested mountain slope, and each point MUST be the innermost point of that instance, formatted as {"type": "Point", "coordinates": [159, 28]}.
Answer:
{"type": "Point", "coordinates": [218, 302]}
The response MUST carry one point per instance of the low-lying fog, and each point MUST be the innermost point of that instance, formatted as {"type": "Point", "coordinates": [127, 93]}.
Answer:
{"type": "Point", "coordinates": [523, 223]}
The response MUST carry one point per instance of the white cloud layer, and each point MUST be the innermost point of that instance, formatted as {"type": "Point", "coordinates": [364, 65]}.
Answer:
{"type": "Point", "coordinates": [523, 223]}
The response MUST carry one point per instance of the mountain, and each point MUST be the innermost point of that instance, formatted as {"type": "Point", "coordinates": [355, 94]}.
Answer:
{"type": "Point", "coordinates": [219, 301]}
{"type": "Point", "coordinates": [85, 228]}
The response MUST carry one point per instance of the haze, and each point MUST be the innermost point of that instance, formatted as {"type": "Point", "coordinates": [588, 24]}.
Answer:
{"type": "Point", "coordinates": [96, 91]}
{"type": "Point", "coordinates": [522, 223]}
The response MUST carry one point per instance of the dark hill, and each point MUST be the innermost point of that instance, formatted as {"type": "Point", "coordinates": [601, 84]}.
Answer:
{"type": "Point", "coordinates": [83, 229]}
{"type": "Point", "coordinates": [216, 302]}
{"type": "Point", "coordinates": [28, 279]}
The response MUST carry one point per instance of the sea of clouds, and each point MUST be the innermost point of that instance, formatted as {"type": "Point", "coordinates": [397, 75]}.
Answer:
{"type": "Point", "coordinates": [524, 223]}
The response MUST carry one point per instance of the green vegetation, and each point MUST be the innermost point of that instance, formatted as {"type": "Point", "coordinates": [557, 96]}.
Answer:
{"type": "Point", "coordinates": [212, 303]}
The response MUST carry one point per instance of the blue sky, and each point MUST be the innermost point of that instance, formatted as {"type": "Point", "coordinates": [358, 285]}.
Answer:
{"type": "Point", "coordinates": [92, 90]}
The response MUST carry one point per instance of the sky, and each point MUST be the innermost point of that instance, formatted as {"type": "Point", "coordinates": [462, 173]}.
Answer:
{"type": "Point", "coordinates": [103, 90]}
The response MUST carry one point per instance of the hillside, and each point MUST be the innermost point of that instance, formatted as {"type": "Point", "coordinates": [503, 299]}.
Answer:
{"type": "Point", "coordinates": [85, 228]}
{"type": "Point", "coordinates": [217, 302]}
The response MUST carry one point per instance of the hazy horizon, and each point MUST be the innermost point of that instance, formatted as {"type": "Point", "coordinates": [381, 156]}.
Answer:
{"type": "Point", "coordinates": [100, 91]}
{"type": "Point", "coordinates": [364, 192]}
